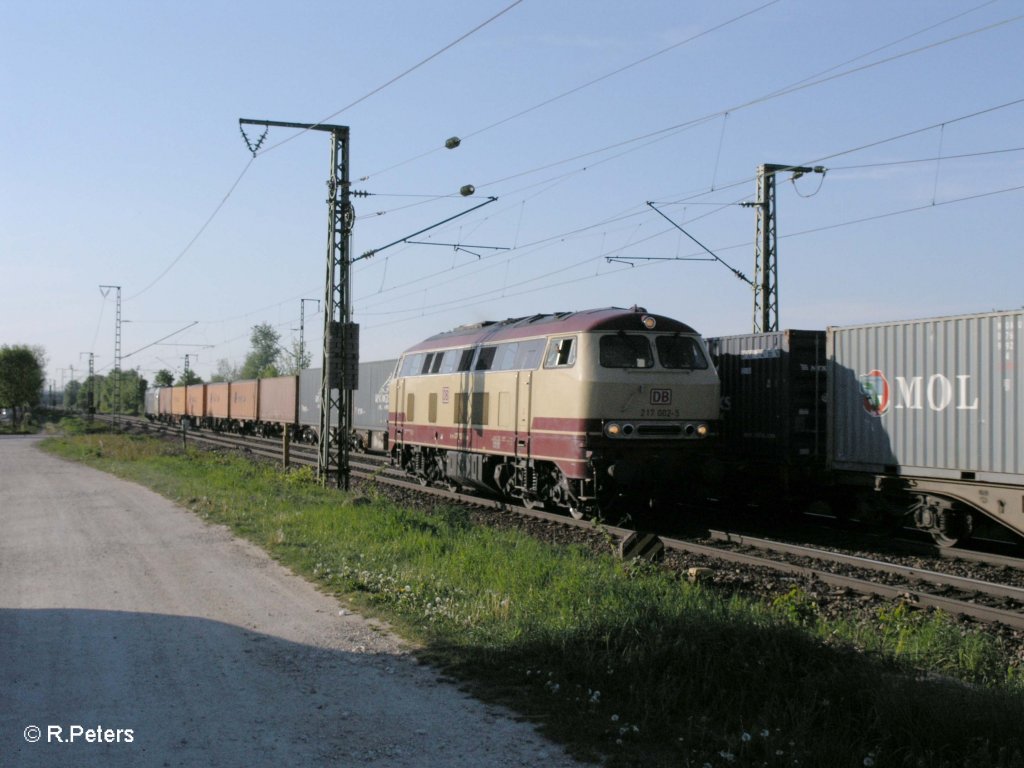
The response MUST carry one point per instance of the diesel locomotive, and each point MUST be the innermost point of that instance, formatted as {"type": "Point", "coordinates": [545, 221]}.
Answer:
{"type": "Point", "coordinates": [573, 412]}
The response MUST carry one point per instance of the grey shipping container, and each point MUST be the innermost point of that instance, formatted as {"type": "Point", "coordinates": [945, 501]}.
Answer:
{"type": "Point", "coordinates": [937, 405]}
{"type": "Point", "coordinates": [309, 398]}
{"type": "Point", "coordinates": [152, 402]}
{"type": "Point", "coordinates": [369, 402]}
{"type": "Point", "coordinates": [773, 395]}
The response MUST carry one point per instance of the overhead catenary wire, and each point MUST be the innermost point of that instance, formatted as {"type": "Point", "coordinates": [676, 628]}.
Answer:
{"type": "Point", "coordinates": [600, 224]}
{"type": "Point", "coordinates": [578, 88]}
{"type": "Point", "coordinates": [257, 153]}
{"type": "Point", "coordinates": [813, 80]}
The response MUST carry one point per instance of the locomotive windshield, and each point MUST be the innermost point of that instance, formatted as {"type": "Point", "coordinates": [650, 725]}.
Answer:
{"type": "Point", "coordinates": [626, 351]}
{"type": "Point", "coordinates": [680, 352]}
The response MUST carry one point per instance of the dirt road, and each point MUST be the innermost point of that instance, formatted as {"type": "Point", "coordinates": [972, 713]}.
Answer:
{"type": "Point", "coordinates": [132, 633]}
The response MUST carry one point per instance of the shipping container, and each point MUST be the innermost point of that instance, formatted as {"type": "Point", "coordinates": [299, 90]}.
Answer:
{"type": "Point", "coordinates": [278, 400]}
{"type": "Point", "coordinates": [195, 402]}
{"type": "Point", "coordinates": [773, 395]}
{"type": "Point", "coordinates": [218, 400]}
{"type": "Point", "coordinates": [166, 402]}
{"type": "Point", "coordinates": [178, 402]}
{"type": "Point", "coordinates": [244, 401]}
{"type": "Point", "coordinates": [309, 398]}
{"type": "Point", "coordinates": [152, 403]}
{"type": "Point", "coordinates": [935, 409]}
{"type": "Point", "coordinates": [940, 397]}
{"type": "Point", "coordinates": [370, 404]}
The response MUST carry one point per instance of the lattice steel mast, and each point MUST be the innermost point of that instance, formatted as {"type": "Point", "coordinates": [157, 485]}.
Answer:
{"type": "Point", "coordinates": [339, 376]}
{"type": "Point", "coordinates": [766, 273]}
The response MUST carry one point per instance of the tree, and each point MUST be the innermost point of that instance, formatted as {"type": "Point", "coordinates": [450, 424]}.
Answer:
{"type": "Point", "coordinates": [163, 378]}
{"type": "Point", "coordinates": [72, 394]}
{"type": "Point", "coordinates": [133, 390]}
{"type": "Point", "coordinates": [21, 377]}
{"type": "Point", "coordinates": [297, 359]}
{"type": "Point", "coordinates": [189, 377]}
{"type": "Point", "coordinates": [261, 362]}
{"type": "Point", "coordinates": [225, 371]}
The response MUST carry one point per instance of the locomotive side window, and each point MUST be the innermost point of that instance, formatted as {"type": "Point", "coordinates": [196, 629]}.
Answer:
{"type": "Point", "coordinates": [561, 353]}
{"type": "Point", "coordinates": [626, 351]}
{"type": "Point", "coordinates": [505, 359]}
{"type": "Point", "coordinates": [448, 362]}
{"type": "Point", "coordinates": [466, 359]}
{"type": "Point", "coordinates": [485, 360]}
{"type": "Point", "coordinates": [680, 352]}
{"type": "Point", "coordinates": [529, 354]}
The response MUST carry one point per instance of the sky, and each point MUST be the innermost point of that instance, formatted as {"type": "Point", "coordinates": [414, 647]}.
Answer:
{"type": "Point", "coordinates": [122, 164]}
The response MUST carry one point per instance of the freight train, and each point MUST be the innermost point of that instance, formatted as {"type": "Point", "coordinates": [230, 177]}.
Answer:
{"type": "Point", "coordinates": [271, 406]}
{"type": "Point", "coordinates": [917, 422]}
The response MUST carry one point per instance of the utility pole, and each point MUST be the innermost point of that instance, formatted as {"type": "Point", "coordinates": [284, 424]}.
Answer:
{"type": "Point", "coordinates": [340, 360]}
{"type": "Point", "coordinates": [116, 373]}
{"type": "Point", "coordinates": [92, 387]}
{"type": "Point", "coordinates": [302, 329]}
{"type": "Point", "coordinates": [766, 275]}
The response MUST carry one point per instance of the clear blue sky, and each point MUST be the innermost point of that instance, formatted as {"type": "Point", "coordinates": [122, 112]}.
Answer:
{"type": "Point", "coordinates": [119, 140]}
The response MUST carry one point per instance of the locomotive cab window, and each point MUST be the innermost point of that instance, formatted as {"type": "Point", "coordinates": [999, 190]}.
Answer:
{"type": "Point", "coordinates": [680, 352]}
{"type": "Point", "coordinates": [412, 365]}
{"type": "Point", "coordinates": [561, 353]}
{"type": "Point", "coordinates": [626, 351]}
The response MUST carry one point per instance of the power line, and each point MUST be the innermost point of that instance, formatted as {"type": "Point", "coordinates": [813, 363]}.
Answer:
{"type": "Point", "coordinates": [811, 82]}
{"type": "Point", "coordinates": [245, 170]}
{"type": "Point", "coordinates": [579, 88]}
{"type": "Point", "coordinates": [398, 77]}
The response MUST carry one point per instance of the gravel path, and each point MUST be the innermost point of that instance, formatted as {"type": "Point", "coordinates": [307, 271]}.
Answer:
{"type": "Point", "coordinates": [141, 636]}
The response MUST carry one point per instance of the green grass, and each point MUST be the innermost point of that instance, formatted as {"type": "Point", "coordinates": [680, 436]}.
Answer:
{"type": "Point", "coordinates": [617, 660]}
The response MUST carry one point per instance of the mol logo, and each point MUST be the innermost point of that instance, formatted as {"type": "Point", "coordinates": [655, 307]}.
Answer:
{"type": "Point", "coordinates": [916, 393]}
{"type": "Point", "coordinates": [661, 397]}
{"type": "Point", "coordinates": [875, 388]}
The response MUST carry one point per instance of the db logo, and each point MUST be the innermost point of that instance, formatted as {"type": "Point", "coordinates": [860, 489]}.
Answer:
{"type": "Point", "coordinates": [661, 397]}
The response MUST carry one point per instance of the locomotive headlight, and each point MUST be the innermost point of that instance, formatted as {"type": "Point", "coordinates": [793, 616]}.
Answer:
{"type": "Point", "coordinates": [612, 430]}
{"type": "Point", "coordinates": [702, 430]}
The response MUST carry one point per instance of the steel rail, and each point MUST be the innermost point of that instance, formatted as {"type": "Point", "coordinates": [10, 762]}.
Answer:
{"type": "Point", "coordinates": [949, 605]}
{"type": "Point", "coordinates": [904, 571]}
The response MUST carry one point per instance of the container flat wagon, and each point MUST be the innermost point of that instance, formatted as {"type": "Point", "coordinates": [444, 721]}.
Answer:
{"type": "Point", "coordinates": [933, 410]}
{"type": "Point", "coordinates": [369, 405]}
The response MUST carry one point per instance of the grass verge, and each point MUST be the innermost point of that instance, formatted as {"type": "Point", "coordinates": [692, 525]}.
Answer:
{"type": "Point", "coordinates": [619, 661]}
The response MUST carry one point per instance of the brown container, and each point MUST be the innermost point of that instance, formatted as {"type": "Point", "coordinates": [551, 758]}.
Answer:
{"type": "Point", "coordinates": [178, 401]}
{"type": "Point", "coordinates": [218, 400]}
{"type": "Point", "coordinates": [244, 400]}
{"type": "Point", "coordinates": [279, 400]}
{"type": "Point", "coordinates": [195, 401]}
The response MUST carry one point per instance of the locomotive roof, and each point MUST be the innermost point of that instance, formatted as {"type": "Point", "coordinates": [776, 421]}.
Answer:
{"type": "Point", "coordinates": [608, 319]}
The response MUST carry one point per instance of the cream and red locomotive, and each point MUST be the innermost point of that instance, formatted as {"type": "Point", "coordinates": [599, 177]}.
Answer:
{"type": "Point", "coordinates": [572, 411]}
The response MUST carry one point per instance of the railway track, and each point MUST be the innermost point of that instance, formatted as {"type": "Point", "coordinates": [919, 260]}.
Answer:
{"type": "Point", "coordinates": [978, 599]}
